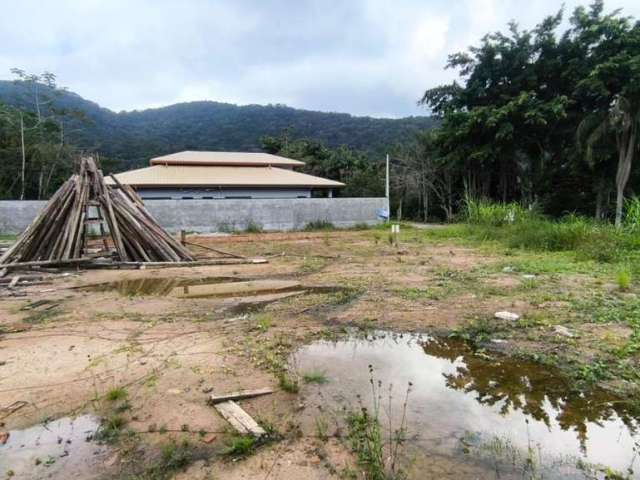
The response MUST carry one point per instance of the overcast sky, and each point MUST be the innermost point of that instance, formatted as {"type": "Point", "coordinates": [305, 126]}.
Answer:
{"type": "Point", "coordinates": [365, 57]}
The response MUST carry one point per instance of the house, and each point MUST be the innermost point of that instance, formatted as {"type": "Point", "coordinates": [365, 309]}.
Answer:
{"type": "Point", "coordinates": [217, 175]}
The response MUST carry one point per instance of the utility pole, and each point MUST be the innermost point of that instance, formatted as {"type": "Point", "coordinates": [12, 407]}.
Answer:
{"type": "Point", "coordinates": [386, 189]}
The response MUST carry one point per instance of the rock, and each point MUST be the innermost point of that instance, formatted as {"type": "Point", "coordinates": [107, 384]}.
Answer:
{"type": "Point", "coordinates": [509, 316]}
{"type": "Point", "coordinates": [528, 276]}
{"type": "Point", "coordinates": [562, 330]}
{"type": "Point", "coordinates": [498, 340]}
{"type": "Point", "coordinates": [209, 438]}
{"type": "Point", "coordinates": [4, 437]}
{"type": "Point", "coordinates": [207, 390]}
{"type": "Point", "coordinates": [507, 269]}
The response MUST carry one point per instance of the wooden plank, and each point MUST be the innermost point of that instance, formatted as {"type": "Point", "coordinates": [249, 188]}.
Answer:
{"type": "Point", "coordinates": [14, 281]}
{"type": "Point", "coordinates": [240, 395]}
{"type": "Point", "coordinates": [239, 419]}
{"type": "Point", "coordinates": [48, 263]}
{"type": "Point", "coordinates": [216, 250]}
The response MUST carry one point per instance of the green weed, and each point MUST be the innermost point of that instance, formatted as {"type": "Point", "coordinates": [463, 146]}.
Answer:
{"type": "Point", "coordinates": [319, 225]}
{"type": "Point", "coordinates": [288, 383]}
{"type": "Point", "coordinates": [240, 446]}
{"type": "Point", "coordinates": [253, 227]}
{"type": "Point", "coordinates": [623, 279]}
{"type": "Point", "coordinates": [115, 394]}
{"type": "Point", "coordinates": [315, 377]}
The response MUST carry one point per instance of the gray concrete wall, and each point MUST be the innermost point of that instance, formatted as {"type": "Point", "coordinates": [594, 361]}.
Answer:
{"type": "Point", "coordinates": [227, 215]}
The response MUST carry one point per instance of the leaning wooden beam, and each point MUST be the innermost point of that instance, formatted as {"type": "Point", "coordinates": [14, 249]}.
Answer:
{"type": "Point", "coordinates": [240, 395]}
{"type": "Point", "coordinates": [239, 419]}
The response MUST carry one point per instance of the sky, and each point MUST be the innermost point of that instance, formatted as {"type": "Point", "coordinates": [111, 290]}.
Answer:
{"type": "Point", "coordinates": [364, 57]}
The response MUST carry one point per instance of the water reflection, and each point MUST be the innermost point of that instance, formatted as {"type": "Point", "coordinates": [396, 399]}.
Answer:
{"type": "Point", "coordinates": [513, 384]}
{"type": "Point", "coordinates": [457, 392]}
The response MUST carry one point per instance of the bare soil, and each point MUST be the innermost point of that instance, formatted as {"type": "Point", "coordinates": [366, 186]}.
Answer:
{"type": "Point", "coordinates": [169, 352]}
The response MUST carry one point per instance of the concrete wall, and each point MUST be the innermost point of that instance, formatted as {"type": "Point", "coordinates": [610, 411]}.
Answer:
{"type": "Point", "coordinates": [227, 215]}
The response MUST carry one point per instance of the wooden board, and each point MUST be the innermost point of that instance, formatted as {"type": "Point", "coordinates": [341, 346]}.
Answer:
{"type": "Point", "coordinates": [239, 419]}
{"type": "Point", "coordinates": [240, 395]}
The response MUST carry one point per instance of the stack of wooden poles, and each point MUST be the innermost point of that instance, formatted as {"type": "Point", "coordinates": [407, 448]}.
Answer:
{"type": "Point", "coordinates": [86, 210]}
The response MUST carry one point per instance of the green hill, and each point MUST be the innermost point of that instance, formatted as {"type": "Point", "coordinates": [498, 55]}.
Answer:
{"type": "Point", "coordinates": [133, 137]}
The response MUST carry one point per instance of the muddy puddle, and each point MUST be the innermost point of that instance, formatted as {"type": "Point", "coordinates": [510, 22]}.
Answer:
{"type": "Point", "coordinates": [473, 417]}
{"type": "Point", "coordinates": [196, 288]}
{"type": "Point", "coordinates": [59, 449]}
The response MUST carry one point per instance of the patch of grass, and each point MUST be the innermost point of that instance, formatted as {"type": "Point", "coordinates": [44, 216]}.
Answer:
{"type": "Point", "coordinates": [623, 279]}
{"type": "Point", "coordinates": [288, 383]}
{"type": "Point", "coordinates": [241, 446]}
{"type": "Point", "coordinates": [110, 429]}
{"type": "Point", "coordinates": [117, 393]}
{"type": "Point", "coordinates": [345, 295]}
{"type": "Point", "coordinates": [315, 377]}
{"type": "Point", "coordinates": [416, 294]}
{"type": "Point", "coordinates": [322, 428]}
{"type": "Point", "coordinates": [312, 264]}
{"type": "Point", "coordinates": [253, 227]}
{"type": "Point", "coordinates": [319, 225]}
{"type": "Point", "coordinates": [263, 321]}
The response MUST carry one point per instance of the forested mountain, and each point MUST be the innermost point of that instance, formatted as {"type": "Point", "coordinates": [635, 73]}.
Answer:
{"type": "Point", "coordinates": [135, 136]}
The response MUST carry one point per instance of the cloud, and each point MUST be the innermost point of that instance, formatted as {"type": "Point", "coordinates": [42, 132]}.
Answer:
{"type": "Point", "coordinates": [367, 57]}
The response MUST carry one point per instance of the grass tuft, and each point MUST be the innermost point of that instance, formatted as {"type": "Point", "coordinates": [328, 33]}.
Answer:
{"type": "Point", "coordinates": [315, 377]}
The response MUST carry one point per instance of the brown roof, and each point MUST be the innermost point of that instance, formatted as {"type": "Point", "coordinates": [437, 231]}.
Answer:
{"type": "Point", "coordinates": [180, 176]}
{"type": "Point", "coordinates": [225, 158]}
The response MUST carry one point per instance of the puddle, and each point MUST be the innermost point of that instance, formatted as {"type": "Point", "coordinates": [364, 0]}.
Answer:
{"type": "Point", "coordinates": [58, 449]}
{"type": "Point", "coordinates": [470, 417]}
{"type": "Point", "coordinates": [195, 288]}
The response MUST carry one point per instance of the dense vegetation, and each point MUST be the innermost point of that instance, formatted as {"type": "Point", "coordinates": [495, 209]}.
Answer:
{"type": "Point", "coordinates": [539, 117]}
{"type": "Point", "coordinates": [131, 138]}
{"type": "Point", "coordinates": [543, 117]}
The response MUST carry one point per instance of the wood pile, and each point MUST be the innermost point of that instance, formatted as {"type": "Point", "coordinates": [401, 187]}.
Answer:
{"type": "Point", "coordinates": [88, 221]}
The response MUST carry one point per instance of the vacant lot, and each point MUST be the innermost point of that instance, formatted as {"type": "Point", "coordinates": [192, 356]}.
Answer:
{"type": "Point", "coordinates": [135, 354]}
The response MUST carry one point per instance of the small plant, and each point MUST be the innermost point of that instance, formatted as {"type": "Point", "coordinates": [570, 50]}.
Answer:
{"type": "Point", "coordinates": [241, 446]}
{"type": "Point", "coordinates": [287, 383]}
{"type": "Point", "coordinates": [623, 279]}
{"type": "Point", "coordinates": [253, 227]}
{"type": "Point", "coordinates": [175, 456]}
{"type": "Point", "coordinates": [322, 427]}
{"type": "Point", "coordinates": [379, 457]}
{"type": "Point", "coordinates": [110, 429]}
{"type": "Point", "coordinates": [319, 225]}
{"type": "Point", "coordinates": [263, 321]}
{"type": "Point", "coordinates": [315, 377]}
{"type": "Point", "coordinates": [115, 394]}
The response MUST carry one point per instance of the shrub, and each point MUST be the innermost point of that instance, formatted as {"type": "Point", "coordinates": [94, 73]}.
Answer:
{"type": "Point", "coordinates": [632, 214]}
{"type": "Point", "coordinates": [485, 212]}
{"type": "Point", "coordinates": [319, 225]}
{"type": "Point", "coordinates": [253, 227]}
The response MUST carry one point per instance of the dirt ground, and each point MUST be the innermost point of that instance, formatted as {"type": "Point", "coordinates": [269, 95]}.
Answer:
{"type": "Point", "coordinates": [170, 350]}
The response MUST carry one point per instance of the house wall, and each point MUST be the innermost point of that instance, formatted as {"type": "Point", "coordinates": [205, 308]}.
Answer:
{"type": "Point", "coordinates": [220, 193]}
{"type": "Point", "coordinates": [227, 215]}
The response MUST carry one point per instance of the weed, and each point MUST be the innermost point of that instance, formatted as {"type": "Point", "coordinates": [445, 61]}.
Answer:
{"type": "Point", "coordinates": [253, 227]}
{"type": "Point", "coordinates": [288, 383]}
{"type": "Point", "coordinates": [319, 225]}
{"type": "Point", "coordinates": [312, 264]}
{"type": "Point", "coordinates": [378, 457]}
{"type": "Point", "coordinates": [322, 427]}
{"type": "Point", "coordinates": [110, 429]}
{"type": "Point", "coordinates": [315, 377]}
{"type": "Point", "coordinates": [240, 446]}
{"type": "Point", "coordinates": [263, 321]}
{"type": "Point", "coordinates": [623, 279]}
{"type": "Point", "coordinates": [115, 394]}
